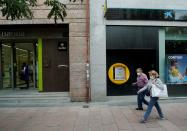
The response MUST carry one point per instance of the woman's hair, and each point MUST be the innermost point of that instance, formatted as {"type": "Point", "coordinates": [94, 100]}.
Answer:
{"type": "Point", "coordinates": [153, 73]}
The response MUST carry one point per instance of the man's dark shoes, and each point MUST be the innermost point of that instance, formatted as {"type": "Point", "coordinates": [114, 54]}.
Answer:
{"type": "Point", "coordinates": [139, 109]}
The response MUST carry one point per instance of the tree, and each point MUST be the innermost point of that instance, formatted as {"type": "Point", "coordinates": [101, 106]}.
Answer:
{"type": "Point", "coordinates": [17, 9]}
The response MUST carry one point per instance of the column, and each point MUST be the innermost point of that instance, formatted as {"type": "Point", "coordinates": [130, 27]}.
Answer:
{"type": "Point", "coordinates": [40, 70]}
{"type": "Point", "coordinates": [162, 53]}
{"type": "Point", "coordinates": [34, 66]}
{"type": "Point", "coordinates": [13, 65]}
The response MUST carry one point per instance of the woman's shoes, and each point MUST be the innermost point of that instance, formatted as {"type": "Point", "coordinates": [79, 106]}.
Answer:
{"type": "Point", "coordinates": [143, 121]}
{"type": "Point", "coordinates": [162, 118]}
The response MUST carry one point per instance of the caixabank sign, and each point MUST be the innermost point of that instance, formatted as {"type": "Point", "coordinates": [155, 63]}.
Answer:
{"type": "Point", "coordinates": [145, 14]}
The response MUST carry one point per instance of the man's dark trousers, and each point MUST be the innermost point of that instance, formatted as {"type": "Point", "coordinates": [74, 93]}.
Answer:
{"type": "Point", "coordinates": [141, 99]}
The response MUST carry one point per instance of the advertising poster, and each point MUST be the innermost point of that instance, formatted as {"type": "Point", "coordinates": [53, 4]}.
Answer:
{"type": "Point", "coordinates": [119, 73]}
{"type": "Point", "coordinates": [176, 66]}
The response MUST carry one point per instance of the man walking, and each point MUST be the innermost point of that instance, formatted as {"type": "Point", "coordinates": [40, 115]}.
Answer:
{"type": "Point", "coordinates": [142, 80]}
{"type": "Point", "coordinates": [25, 71]}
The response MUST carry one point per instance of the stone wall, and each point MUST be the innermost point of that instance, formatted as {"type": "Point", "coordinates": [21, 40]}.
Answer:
{"type": "Point", "coordinates": [76, 18]}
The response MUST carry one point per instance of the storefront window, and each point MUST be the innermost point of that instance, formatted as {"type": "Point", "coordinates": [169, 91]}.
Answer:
{"type": "Point", "coordinates": [176, 55]}
{"type": "Point", "coordinates": [176, 68]}
{"type": "Point", "coordinates": [12, 74]}
{"type": "Point", "coordinates": [175, 31]}
{"type": "Point", "coordinates": [6, 66]}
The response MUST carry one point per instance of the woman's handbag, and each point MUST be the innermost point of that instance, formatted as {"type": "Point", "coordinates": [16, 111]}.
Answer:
{"type": "Point", "coordinates": [156, 92]}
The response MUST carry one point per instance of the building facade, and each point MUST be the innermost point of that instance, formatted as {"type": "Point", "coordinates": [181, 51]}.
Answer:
{"type": "Point", "coordinates": [56, 55]}
{"type": "Point", "coordinates": [130, 34]}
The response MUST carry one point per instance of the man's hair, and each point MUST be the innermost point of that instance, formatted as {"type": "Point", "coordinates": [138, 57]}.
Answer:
{"type": "Point", "coordinates": [139, 69]}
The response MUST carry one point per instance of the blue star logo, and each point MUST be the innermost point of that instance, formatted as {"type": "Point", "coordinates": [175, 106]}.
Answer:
{"type": "Point", "coordinates": [168, 14]}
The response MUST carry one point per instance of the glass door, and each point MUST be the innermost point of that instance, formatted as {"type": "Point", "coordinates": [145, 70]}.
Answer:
{"type": "Point", "coordinates": [18, 65]}
{"type": "Point", "coordinates": [25, 68]}
{"type": "Point", "coordinates": [6, 66]}
{"type": "Point", "coordinates": [21, 58]}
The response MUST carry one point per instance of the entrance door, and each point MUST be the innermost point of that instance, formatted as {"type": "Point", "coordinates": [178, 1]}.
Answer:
{"type": "Point", "coordinates": [25, 55]}
{"type": "Point", "coordinates": [55, 66]}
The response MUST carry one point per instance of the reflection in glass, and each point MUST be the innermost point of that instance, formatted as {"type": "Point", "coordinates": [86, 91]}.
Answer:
{"type": "Point", "coordinates": [24, 54]}
{"type": "Point", "coordinates": [6, 66]}
{"type": "Point", "coordinates": [175, 30]}
{"type": "Point", "coordinates": [181, 15]}
{"type": "Point", "coordinates": [21, 57]}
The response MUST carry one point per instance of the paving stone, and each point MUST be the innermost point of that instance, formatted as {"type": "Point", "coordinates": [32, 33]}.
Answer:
{"type": "Point", "coordinates": [126, 130]}
{"type": "Point", "coordinates": [106, 115]}
{"type": "Point", "coordinates": [153, 124]}
{"type": "Point", "coordinates": [83, 117]}
{"type": "Point", "coordinates": [120, 120]}
{"type": "Point", "coordinates": [36, 128]}
{"type": "Point", "coordinates": [81, 128]}
{"type": "Point", "coordinates": [156, 129]}
{"type": "Point", "coordinates": [67, 127]}
{"type": "Point", "coordinates": [169, 126]}
{"type": "Point", "coordinates": [183, 128]}
{"type": "Point", "coordinates": [95, 118]}
{"type": "Point", "coordinates": [96, 127]}
{"type": "Point", "coordinates": [139, 127]}
{"type": "Point", "coordinates": [111, 127]}
{"type": "Point", "coordinates": [130, 115]}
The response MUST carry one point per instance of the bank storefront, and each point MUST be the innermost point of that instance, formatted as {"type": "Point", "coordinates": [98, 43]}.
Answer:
{"type": "Point", "coordinates": [44, 49]}
{"type": "Point", "coordinates": [160, 48]}
{"type": "Point", "coordinates": [148, 36]}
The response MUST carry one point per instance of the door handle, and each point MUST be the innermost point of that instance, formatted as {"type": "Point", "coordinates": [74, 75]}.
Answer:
{"type": "Point", "coordinates": [60, 66]}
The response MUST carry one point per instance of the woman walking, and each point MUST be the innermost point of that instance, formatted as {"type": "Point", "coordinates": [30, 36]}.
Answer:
{"type": "Point", "coordinates": [153, 100]}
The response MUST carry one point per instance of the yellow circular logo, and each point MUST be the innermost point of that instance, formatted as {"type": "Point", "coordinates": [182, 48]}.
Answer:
{"type": "Point", "coordinates": [118, 73]}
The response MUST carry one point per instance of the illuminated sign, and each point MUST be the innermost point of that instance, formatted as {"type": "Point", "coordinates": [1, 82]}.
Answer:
{"type": "Point", "coordinates": [168, 14]}
{"type": "Point", "coordinates": [62, 46]}
{"type": "Point", "coordinates": [118, 73]}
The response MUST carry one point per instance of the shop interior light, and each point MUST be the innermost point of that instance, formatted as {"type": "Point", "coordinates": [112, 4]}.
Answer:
{"type": "Point", "coordinates": [21, 49]}
{"type": "Point", "coordinates": [6, 45]}
{"type": "Point", "coordinates": [16, 48]}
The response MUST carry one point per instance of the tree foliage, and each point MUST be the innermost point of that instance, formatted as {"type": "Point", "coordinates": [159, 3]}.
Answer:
{"type": "Point", "coordinates": [58, 9]}
{"type": "Point", "coordinates": [18, 9]}
{"type": "Point", "coordinates": [75, 0]}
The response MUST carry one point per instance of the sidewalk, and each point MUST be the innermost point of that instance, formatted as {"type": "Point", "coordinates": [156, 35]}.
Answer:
{"type": "Point", "coordinates": [95, 118]}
